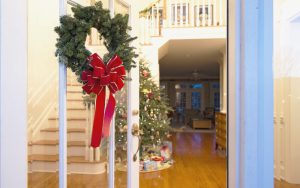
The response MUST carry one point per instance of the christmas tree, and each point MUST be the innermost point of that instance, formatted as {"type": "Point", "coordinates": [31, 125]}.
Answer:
{"type": "Point", "coordinates": [154, 109]}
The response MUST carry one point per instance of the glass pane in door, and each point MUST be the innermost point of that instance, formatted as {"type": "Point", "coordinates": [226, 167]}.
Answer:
{"type": "Point", "coordinates": [42, 94]}
{"type": "Point", "coordinates": [180, 107]}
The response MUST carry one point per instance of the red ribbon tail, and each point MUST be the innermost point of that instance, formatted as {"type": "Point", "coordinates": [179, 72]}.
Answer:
{"type": "Point", "coordinates": [98, 119]}
{"type": "Point", "coordinates": [109, 113]}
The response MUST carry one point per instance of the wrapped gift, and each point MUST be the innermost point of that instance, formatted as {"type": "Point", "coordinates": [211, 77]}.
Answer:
{"type": "Point", "coordinates": [150, 165]}
{"type": "Point", "coordinates": [165, 153]}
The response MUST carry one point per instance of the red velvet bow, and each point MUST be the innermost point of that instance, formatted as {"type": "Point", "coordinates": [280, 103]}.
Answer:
{"type": "Point", "coordinates": [111, 75]}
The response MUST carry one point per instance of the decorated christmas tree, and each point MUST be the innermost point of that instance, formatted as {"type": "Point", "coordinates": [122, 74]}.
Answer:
{"type": "Point", "coordinates": [154, 109]}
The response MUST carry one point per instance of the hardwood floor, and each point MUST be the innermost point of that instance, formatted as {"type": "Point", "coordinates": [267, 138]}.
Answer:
{"type": "Point", "coordinates": [197, 165]}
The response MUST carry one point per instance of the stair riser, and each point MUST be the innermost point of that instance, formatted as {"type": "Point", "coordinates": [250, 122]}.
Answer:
{"type": "Point", "coordinates": [76, 95]}
{"type": "Point", "coordinates": [73, 136]}
{"type": "Point", "coordinates": [77, 113]}
{"type": "Point", "coordinates": [75, 104]}
{"type": "Point", "coordinates": [70, 123]}
{"type": "Point", "coordinates": [43, 166]}
{"type": "Point", "coordinates": [53, 150]}
{"type": "Point", "coordinates": [74, 88]}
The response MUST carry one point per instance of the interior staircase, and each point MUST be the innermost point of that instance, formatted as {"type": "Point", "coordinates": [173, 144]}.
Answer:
{"type": "Point", "coordinates": [43, 153]}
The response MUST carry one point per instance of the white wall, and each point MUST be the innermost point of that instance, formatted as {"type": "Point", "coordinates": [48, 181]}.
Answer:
{"type": "Point", "coordinates": [13, 93]}
{"type": "Point", "coordinates": [287, 92]}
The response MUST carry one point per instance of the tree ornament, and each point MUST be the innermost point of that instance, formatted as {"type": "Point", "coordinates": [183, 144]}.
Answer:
{"type": "Point", "coordinates": [145, 73]}
{"type": "Point", "coordinates": [150, 95]}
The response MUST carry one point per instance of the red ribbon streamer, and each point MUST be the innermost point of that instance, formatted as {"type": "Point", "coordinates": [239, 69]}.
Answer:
{"type": "Point", "coordinates": [111, 75]}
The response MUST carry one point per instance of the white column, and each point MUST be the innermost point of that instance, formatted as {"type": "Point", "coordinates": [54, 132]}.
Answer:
{"type": "Point", "coordinates": [157, 19]}
{"type": "Point", "coordinates": [221, 13]}
{"type": "Point", "coordinates": [62, 113]}
{"type": "Point", "coordinates": [186, 12]}
{"type": "Point", "coordinates": [169, 15]}
{"type": "Point", "coordinates": [175, 13]}
{"type": "Point", "coordinates": [203, 13]}
{"type": "Point", "coordinates": [224, 94]}
{"type": "Point", "coordinates": [197, 13]}
{"type": "Point", "coordinates": [13, 93]}
{"type": "Point", "coordinates": [209, 13]}
{"type": "Point", "coordinates": [214, 12]}
{"type": "Point", "coordinates": [181, 13]}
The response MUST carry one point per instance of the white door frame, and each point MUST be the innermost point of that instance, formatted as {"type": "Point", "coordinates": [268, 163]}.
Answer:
{"type": "Point", "coordinates": [250, 94]}
{"type": "Point", "coordinates": [13, 93]}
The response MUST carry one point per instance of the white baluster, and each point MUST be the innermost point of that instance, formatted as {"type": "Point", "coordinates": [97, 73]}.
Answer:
{"type": "Point", "coordinates": [91, 155]}
{"type": "Point", "coordinates": [97, 154]}
{"type": "Point", "coordinates": [209, 13]}
{"type": "Point", "coordinates": [186, 13]}
{"type": "Point", "coordinates": [197, 14]}
{"type": "Point", "coordinates": [215, 13]}
{"type": "Point", "coordinates": [148, 33]}
{"type": "Point", "coordinates": [221, 13]}
{"type": "Point", "coordinates": [157, 19]}
{"type": "Point", "coordinates": [192, 11]}
{"type": "Point", "coordinates": [175, 13]}
{"type": "Point", "coordinates": [152, 21]}
{"type": "Point", "coordinates": [203, 13]}
{"type": "Point", "coordinates": [145, 30]}
{"type": "Point", "coordinates": [181, 13]}
{"type": "Point", "coordinates": [87, 125]}
{"type": "Point", "coordinates": [87, 152]}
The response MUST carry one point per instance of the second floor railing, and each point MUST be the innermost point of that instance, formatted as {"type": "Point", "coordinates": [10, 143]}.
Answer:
{"type": "Point", "coordinates": [181, 13]}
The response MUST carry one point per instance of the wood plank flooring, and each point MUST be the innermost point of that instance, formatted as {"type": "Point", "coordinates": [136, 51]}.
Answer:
{"type": "Point", "coordinates": [197, 165]}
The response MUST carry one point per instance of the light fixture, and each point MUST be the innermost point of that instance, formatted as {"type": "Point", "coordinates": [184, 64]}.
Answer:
{"type": "Point", "coordinates": [196, 74]}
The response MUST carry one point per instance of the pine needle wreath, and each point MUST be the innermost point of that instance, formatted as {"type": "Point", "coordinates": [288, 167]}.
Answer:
{"type": "Point", "coordinates": [73, 32]}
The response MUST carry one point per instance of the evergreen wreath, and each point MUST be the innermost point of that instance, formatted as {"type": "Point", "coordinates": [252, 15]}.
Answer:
{"type": "Point", "coordinates": [73, 32]}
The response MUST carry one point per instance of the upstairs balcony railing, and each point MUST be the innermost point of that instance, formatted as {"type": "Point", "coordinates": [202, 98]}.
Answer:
{"type": "Point", "coordinates": [180, 14]}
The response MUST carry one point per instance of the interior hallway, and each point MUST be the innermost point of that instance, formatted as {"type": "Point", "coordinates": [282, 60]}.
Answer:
{"type": "Point", "coordinates": [197, 165]}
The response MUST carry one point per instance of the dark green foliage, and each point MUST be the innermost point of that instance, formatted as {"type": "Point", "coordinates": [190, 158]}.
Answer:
{"type": "Point", "coordinates": [154, 109]}
{"type": "Point", "coordinates": [74, 30]}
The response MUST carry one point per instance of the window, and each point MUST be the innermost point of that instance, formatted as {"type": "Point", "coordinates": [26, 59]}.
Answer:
{"type": "Point", "coordinates": [217, 101]}
{"type": "Point", "coordinates": [196, 100]}
{"type": "Point", "coordinates": [180, 101]}
{"type": "Point", "coordinates": [196, 86]}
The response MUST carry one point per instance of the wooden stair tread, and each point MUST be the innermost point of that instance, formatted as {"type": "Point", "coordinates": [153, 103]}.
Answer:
{"type": "Point", "coordinates": [73, 91]}
{"type": "Point", "coordinates": [45, 142]}
{"type": "Point", "coordinates": [75, 100]}
{"type": "Point", "coordinates": [69, 118]}
{"type": "Point", "coordinates": [70, 130]}
{"type": "Point", "coordinates": [76, 84]}
{"type": "Point", "coordinates": [55, 158]}
{"type": "Point", "coordinates": [56, 142]}
{"type": "Point", "coordinates": [46, 158]}
{"type": "Point", "coordinates": [74, 108]}
{"type": "Point", "coordinates": [76, 143]}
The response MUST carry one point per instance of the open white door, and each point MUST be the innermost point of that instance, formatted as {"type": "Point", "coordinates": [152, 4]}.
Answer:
{"type": "Point", "coordinates": [133, 109]}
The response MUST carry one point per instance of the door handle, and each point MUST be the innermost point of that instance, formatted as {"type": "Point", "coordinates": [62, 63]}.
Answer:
{"type": "Point", "coordinates": [136, 132]}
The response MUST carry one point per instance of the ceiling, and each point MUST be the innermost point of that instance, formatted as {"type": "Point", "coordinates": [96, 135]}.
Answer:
{"type": "Point", "coordinates": [179, 58]}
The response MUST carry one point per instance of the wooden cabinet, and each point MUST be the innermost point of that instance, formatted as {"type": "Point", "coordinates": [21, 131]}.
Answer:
{"type": "Point", "coordinates": [221, 130]}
